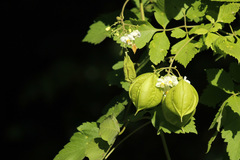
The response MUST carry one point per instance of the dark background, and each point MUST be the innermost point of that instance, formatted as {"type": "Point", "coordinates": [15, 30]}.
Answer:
{"type": "Point", "coordinates": [53, 82]}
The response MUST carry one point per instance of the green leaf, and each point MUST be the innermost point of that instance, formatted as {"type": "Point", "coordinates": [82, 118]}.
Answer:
{"type": "Point", "coordinates": [227, 12]}
{"type": "Point", "coordinates": [212, 96]}
{"type": "Point", "coordinates": [146, 30]}
{"type": "Point", "coordinates": [220, 79]}
{"type": "Point", "coordinates": [186, 49]}
{"type": "Point", "coordinates": [211, 141]}
{"type": "Point", "coordinates": [218, 118]}
{"type": "Point", "coordinates": [234, 103]}
{"type": "Point", "coordinates": [118, 65]}
{"type": "Point", "coordinates": [109, 129]}
{"type": "Point", "coordinates": [161, 124]}
{"type": "Point", "coordinates": [75, 149]}
{"type": "Point", "coordinates": [197, 11]}
{"type": "Point", "coordinates": [97, 33]}
{"type": "Point", "coordinates": [199, 30]}
{"type": "Point", "coordinates": [227, 47]}
{"type": "Point", "coordinates": [178, 33]}
{"type": "Point", "coordinates": [115, 107]}
{"type": "Point", "coordinates": [158, 47]}
{"type": "Point", "coordinates": [160, 13]}
{"type": "Point", "coordinates": [231, 133]}
{"type": "Point", "coordinates": [210, 39]}
{"type": "Point", "coordinates": [96, 149]}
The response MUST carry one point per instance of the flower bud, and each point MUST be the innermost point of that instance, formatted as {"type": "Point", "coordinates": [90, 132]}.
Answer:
{"type": "Point", "coordinates": [180, 103]}
{"type": "Point", "coordinates": [144, 93]}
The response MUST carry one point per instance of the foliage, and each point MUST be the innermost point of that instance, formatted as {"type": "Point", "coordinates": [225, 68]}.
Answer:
{"type": "Point", "coordinates": [207, 26]}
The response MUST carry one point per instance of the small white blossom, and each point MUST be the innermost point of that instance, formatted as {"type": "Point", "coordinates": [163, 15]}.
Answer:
{"type": "Point", "coordinates": [185, 79]}
{"type": "Point", "coordinates": [130, 37]}
{"type": "Point", "coordinates": [160, 83]}
{"type": "Point", "coordinates": [135, 33]}
{"type": "Point", "coordinates": [126, 39]}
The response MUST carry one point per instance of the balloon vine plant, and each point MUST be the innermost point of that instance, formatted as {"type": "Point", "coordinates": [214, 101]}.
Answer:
{"type": "Point", "coordinates": [161, 95]}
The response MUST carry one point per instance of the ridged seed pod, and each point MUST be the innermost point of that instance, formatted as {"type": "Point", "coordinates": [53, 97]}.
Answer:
{"type": "Point", "coordinates": [144, 93]}
{"type": "Point", "coordinates": [180, 103]}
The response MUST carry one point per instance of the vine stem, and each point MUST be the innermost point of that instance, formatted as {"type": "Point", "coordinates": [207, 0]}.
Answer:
{"type": "Point", "coordinates": [142, 10]}
{"type": "Point", "coordinates": [122, 13]}
{"type": "Point", "coordinates": [165, 146]}
{"type": "Point", "coordinates": [170, 66]}
{"type": "Point", "coordinates": [125, 138]}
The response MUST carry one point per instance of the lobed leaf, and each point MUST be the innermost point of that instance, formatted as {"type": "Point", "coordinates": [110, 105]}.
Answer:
{"type": "Point", "coordinates": [158, 47]}
{"type": "Point", "coordinates": [109, 129]}
{"type": "Point", "coordinates": [76, 148]}
{"type": "Point", "coordinates": [231, 133]}
{"type": "Point", "coordinates": [178, 33]}
{"type": "Point", "coordinates": [227, 12]}
{"type": "Point", "coordinates": [97, 33]}
{"type": "Point", "coordinates": [197, 11]}
{"type": "Point", "coordinates": [185, 50]}
{"type": "Point", "coordinates": [220, 79]}
{"type": "Point", "coordinates": [234, 103]}
{"type": "Point", "coordinates": [146, 30]}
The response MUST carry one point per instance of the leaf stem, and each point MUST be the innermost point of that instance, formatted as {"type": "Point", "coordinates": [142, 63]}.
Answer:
{"type": "Point", "coordinates": [165, 145]}
{"type": "Point", "coordinates": [125, 138]}
{"type": "Point", "coordinates": [142, 10]}
{"type": "Point", "coordinates": [170, 66]}
{"type": "Point", "coordinates": [122, 13]}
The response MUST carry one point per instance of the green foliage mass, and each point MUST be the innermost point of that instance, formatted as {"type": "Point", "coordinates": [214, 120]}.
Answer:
{"type": "Point", "coordinates": [202, 26]}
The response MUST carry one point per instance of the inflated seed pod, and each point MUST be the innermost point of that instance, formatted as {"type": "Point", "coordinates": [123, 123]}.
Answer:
{"type": "Point", "coordinates": [144, 93]}
{"type": "Point", "coordinates": [180, 103]}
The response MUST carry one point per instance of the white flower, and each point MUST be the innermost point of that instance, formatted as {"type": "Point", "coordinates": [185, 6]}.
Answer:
{"type": "Point", "coordinates": [170, 80]}
{"type": "Point", "coordinates": [126, 39]}
{"type": "Point", "coordinates": [135, 33]}
{"type": "Point", "coordinates": [185, 79]}
{"type": "Point", "coordinates": [160, 83]}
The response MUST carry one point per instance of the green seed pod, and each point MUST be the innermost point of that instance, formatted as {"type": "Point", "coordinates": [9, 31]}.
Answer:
{"type": "Point", "coordinates": [128, 68]}
{"type": "Point", "coordinates": [180, 104]}
{"type": "Point", "coordinates": [144, 93]}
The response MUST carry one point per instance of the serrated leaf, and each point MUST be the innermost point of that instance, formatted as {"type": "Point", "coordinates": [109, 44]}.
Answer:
{"type": "Point", "coordinates": [96, 149]}
{"type": "Point", "coordinates": [75, 149]}
{"type": "Point", "coordinates": [158, 47]}
{"type": "Point", "coordinates": [228, 47]}
{"type": "Point", "coordinates": [160, 13]}
{"type": "Point", "coordinates": [199, 30]}
{"type": "Point", "coordinates": [109, 129]}
{"type": "Point", "coordinates": [231, 133]}
{"type": "Point", "coordinates": [146, 30]}
{"type": "Point", "coordinates": [220, 79]}
{"type": "Point", "coordinates": [218, 118]}
{"type": "Point", "coordinates": [116, 107]}
{"type": "Point", "coordinates": [97, 33]}
{"type": "Point", "coordinates": [178, 33]}
{"type": "Point", "coordinates": [227, 12]}
{"type": "Point", "coordinates": [186, 49]}
{"type": "Point", "coordinates": [234, 103]}
{"type": "Point", "coordinates": [212, 96]}
{"type": "Point", "coordinates": [211, 141]}
{"type": "Point", "coordinates": [210, 39]}
{"type": "Point", "coordinates": [197, 11]}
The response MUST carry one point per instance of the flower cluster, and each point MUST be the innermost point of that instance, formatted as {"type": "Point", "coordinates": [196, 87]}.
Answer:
{"type": "Point", "coordinates": [168, 82]}
{"type": "Point", "coordinates": [130, 37]}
